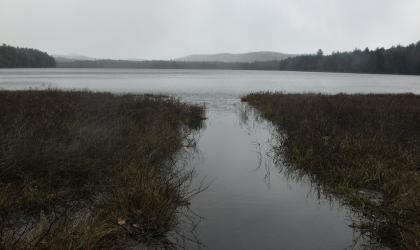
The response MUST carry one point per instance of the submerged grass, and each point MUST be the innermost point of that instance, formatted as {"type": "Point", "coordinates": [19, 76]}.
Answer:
{"type": "Point", "coordinates": [364, 149]}
{"type": "Point", "coordinates": [85, 170]}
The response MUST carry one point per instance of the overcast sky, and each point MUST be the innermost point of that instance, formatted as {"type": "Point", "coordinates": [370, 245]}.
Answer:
{"type": "Point", "coordinates": [165, 29]}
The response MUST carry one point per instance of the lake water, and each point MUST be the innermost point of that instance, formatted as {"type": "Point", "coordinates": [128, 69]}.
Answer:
{"type": "Point", "coordinates": [251, 203]}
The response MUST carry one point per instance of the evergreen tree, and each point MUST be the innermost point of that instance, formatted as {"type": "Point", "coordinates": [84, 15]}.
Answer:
{"type": "Point", "coordinates": [11, 57]}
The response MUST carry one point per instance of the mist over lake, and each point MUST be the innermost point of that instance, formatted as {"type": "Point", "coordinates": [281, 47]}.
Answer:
{"type": "Point", "coordinates": [232, 82]}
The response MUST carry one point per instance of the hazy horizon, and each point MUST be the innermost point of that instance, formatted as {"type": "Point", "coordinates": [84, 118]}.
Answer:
{"type": "Point", "coordinates": [162, 29]}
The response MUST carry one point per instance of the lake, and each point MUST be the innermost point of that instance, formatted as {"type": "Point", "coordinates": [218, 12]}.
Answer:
{"type": "Point", "coordinates": [251, 203]}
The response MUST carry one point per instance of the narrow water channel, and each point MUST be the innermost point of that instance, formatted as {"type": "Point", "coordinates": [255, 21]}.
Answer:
{"type": "Point", "coordinates": [251, 203]}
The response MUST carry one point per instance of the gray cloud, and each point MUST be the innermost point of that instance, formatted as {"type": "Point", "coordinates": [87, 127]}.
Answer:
{"type": "Point", "coordinates": [171, 28]}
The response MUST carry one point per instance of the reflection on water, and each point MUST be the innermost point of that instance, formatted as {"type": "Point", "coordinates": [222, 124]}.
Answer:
{"type": "Point", "coordinates": [235, 82]}
{"type": "Point", "coordinates": [251, 203]}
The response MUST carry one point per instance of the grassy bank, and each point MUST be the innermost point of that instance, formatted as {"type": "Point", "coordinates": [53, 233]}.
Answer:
{"type": "Point", "coordinates": [364, 149]}
{"type": "Point", "coordinates": [84, 170]}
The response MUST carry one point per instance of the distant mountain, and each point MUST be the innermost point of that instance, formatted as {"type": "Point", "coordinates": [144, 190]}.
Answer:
{"type": "Point", "coordinates": [259, 56]}
{"type": "Point", "coordinates": [72, 58]}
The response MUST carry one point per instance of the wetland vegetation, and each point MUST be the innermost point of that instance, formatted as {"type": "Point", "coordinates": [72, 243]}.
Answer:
{"type": "Point", "coordinates": [362, 148]}
{"type": "Point", "coordinates": [90, 170]}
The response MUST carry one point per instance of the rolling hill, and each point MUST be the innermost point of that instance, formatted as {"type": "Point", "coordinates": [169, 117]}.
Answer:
{"type": "Point", "coordinates": [259, 56]}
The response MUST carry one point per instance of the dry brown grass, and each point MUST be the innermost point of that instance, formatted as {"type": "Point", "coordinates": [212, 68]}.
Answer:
{"type": "Point", "coordinates": [362, 148]}
{"type": "Point", "coordinates": [84, 170]}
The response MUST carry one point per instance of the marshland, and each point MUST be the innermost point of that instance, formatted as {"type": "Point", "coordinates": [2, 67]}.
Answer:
{"type": "Point", "coordinates": [192, 166]}
{"type": "Point", "coordinates": [364, 149]}
{"type": "Point", "coordinates": [197, 124]}
{"type": "Point", "coordinates": [92, 170]}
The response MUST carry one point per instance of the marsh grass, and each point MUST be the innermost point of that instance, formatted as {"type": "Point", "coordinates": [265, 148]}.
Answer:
{"type": "Point", "coordinates": [85, 170]}
{"type": "Point", "coordinates": [364, 149]}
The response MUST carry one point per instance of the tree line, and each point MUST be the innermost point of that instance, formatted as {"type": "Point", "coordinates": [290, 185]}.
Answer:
{"type": "Point", "coordinates": [162, 64]}
{"type": "Point", "coordinates": [15, 57]}
{"type": "Point", "coordinates": [395, 60]}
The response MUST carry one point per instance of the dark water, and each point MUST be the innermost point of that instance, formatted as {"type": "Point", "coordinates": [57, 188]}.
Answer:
{"type": "Point", "coordinates": [251, 203]}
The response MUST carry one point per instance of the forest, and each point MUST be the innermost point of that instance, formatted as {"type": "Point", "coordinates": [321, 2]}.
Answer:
{"type": "Point", "coordinates": [395, 60]}
{"type": "Point", "coordinates": [15, 57]}
{"type": "Point", "coordinates": [170, 64]}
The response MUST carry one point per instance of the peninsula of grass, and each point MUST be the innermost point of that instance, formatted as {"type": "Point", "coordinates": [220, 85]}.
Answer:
{"type": "Point", "coordinates": [365, 149]}
{"type": "Point", "coordinates": [86, 170]}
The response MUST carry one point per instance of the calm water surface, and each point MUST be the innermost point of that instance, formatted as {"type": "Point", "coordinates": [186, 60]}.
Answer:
{"type": "Point", "coordinates": [251, 203]}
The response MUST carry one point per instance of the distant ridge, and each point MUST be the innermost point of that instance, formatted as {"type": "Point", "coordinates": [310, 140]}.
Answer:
{"type": "Point", "coordinates": [72, 58]}
{"type": "Point", "coordinates": [249, 57]}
